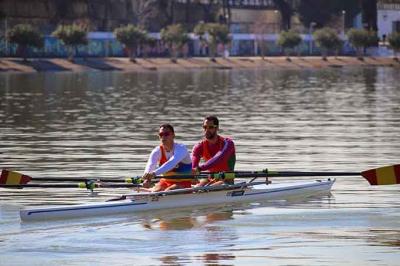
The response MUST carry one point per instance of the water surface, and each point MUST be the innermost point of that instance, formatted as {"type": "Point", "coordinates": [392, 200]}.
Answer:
{"type": "Point", "coordinates": [101, 124]}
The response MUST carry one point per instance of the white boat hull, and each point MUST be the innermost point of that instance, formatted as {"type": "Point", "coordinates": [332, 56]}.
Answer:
{"type": "Point", "coordinates": [153, 201]}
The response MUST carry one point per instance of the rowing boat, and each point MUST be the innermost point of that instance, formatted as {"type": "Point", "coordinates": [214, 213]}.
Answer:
{"type": "Point", "coordinates": [145, 201]}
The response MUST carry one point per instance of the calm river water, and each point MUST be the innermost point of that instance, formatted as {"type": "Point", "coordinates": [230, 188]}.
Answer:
{"type": "Point", "coordinates": [101, 124]}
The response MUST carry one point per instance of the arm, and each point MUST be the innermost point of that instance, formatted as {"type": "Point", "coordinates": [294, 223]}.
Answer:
{"type": "Point", "coordinates": [196, 155]}
{"type": "Point", "coordinates": [152, 162]}
{"type": "Point", "coordinates": [180, 152]}
{"type": "Point", "coordinates": [227, 150]}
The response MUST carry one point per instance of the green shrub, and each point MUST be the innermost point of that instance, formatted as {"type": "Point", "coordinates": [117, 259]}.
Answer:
{"type": "Point", "coordinates": [289, 40]}
{"type": "Point", "coordinates": [217, 34]}
{"type": "Point", "coordinates": [175, 36]}
{"type": "Point", "coordinates": [71, 36]}
{"type": "Point", "coordinates": [394, 42]}
{"type": "Point", "coordinates": [362, 39]}
{"type": "Point", "coordinates": [131, 37]}
{"type": "Point", "coordinates": [327, 39]}
{"type": "Point", "coordinates": [25, 36]}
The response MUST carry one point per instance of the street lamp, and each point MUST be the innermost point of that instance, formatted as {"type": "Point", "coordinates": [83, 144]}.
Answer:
{"type": "Point", "coordinates": [343, 22]}
{"type": "Point", "coordinates": [276, 12]}
{"type": "Point", "coordinates": [5, 36]}
{"type": "Point", "coordinates": [310, 40]}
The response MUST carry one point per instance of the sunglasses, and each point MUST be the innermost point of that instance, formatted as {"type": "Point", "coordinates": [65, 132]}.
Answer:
{"type": "Point", "coordinates": [209, 127]}
{"type": "Point", "coordinates": [164, 134]}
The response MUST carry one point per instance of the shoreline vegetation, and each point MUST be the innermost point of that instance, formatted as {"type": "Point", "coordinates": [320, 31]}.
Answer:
{"type": "Point", "coordinates": [17, 65]}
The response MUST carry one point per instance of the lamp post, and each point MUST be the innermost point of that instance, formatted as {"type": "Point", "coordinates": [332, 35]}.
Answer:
{"type": "Point", "coordinates": [276, 12]}
{"type": "Point", "coordinates": [343, 22]}
{"type": "Point", "coordinates": [5, 36]}
{"type": "Point", "coordinates": [310, 40]}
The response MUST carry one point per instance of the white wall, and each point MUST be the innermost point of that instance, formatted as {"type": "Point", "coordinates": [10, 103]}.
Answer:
{"type": "Point", "coordinates": [385, 21]}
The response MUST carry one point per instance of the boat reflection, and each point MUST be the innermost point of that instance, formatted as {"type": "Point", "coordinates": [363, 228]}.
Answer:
{"type": "Point", "coordinates": [385, 237]}
{"type": "Point", "coordinates": [205, 259]}
{"type": "Point", "coordinates": [185, 222]}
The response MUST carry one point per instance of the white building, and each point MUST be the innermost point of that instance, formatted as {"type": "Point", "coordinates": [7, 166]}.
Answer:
{"type": "Point", "coordinates": [388, 18]}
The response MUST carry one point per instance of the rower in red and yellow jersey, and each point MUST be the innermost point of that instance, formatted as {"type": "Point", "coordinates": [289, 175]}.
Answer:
{"type": "Point", "coordinates": [169, 158]}
{"type": "Point", "coordinates": [217, 152]}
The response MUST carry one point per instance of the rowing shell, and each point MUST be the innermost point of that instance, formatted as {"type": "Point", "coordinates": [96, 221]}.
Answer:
{"type": "Point", "coordinates": [183, 198]}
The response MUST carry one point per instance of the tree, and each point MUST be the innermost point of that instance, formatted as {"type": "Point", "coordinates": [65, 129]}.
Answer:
{"type": "Point", "coordinates": [213, 34]}
{"type": "Point", "coordinates": [289, 40]}
{"type": "Point", "coordinates": [327, 39]}
{"type": "Point", "coordinates": [369, 14]}
{"type": "Point", "coordinates": [25, 36]}
{"type": "Point", "coordinates": [200, 30]}
{"type": "Point", "coordinates": [219, 34]}
{"type": "Point", "coordinates": [286, 11]}
{"type": "Point", "coordinates": [2, 16]}
{"type": "Point", "coordinates": [323, 11]}
{"type": "Point", "coordinates": [144, 11]}
{"type": "Point", "coordinates": [394, 42]}
{"type": "Point", "coordinates": [362, 39]}
{"type": "Point", "coordinates": [148, 43]}
{"type": "Point", "coordinates": [131, 37]}
{"type": "Point", "coordinates": [175, 36]}
{"type": "Point", "coordinates": [71, 36]}
{"type": "Point", "coordinates": [260, 28]}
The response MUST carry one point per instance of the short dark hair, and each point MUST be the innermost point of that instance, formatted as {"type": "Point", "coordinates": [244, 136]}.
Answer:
{"type": "Point", "coordinates": [168, 126]}
{"type": "Point", "coordinates": [212, 118]}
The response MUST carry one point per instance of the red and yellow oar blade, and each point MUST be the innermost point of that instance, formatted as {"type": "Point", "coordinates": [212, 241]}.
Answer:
{"type": "Point", "coordinates": [13, 178]}
{"type": "Point", "coordinates": [387, 175]}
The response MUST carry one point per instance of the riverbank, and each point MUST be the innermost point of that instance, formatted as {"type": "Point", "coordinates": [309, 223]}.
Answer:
{"type": "Point", "coordinates": [152, 64]}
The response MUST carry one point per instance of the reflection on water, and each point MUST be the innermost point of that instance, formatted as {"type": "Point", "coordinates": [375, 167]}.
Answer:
{"type": "Point", "coordinates": [188, 222]}
{"type": "Point", "coordinates": [103, 125]}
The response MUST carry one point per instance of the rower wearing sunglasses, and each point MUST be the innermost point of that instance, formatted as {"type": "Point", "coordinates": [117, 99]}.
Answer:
{"type": "Point", "coordinates": [217, 152]}
{"type": "Point", "coordinates": [169, 158]}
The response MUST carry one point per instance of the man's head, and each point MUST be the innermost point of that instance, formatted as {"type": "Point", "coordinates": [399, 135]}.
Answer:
{"type": "Point", "coordinates": [210, 127]}
{"type": "Point", "coordinates": [166, 134]}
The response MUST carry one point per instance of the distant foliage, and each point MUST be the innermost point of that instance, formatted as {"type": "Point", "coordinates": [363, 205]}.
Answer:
{"type": "Point", "coordinates": [175, 36]}
{"type": "Point", "coordinates": [25, 36]}
{"type": "Point", "coordinates": [131, 37]}
{"type": "Point", "coordinates": [289, 40]}
{"type": "Point", "coordinates": [328, 40]}
{"type": "Point", "coordinates": [71, 36]}
{"type": "Point", "coordinates": [394, 42]}
{"type": "Point", "coordinates": [212, 34]}
{"type": "Point", "coordinates": [362, 39]}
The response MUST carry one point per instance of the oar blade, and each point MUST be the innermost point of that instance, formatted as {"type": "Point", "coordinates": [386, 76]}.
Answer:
{"type": "Point", "coordinates": [387, 175]}
{"type": "Point", "coordinates": [13, 178]}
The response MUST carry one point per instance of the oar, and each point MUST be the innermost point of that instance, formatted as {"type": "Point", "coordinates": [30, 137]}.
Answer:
{"type": "Point", "coordinates": [8, 177]}
{"type": "Point", "coordinates": [89, 185]}
{"type": "Point", "coordinates": [386, 175]}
